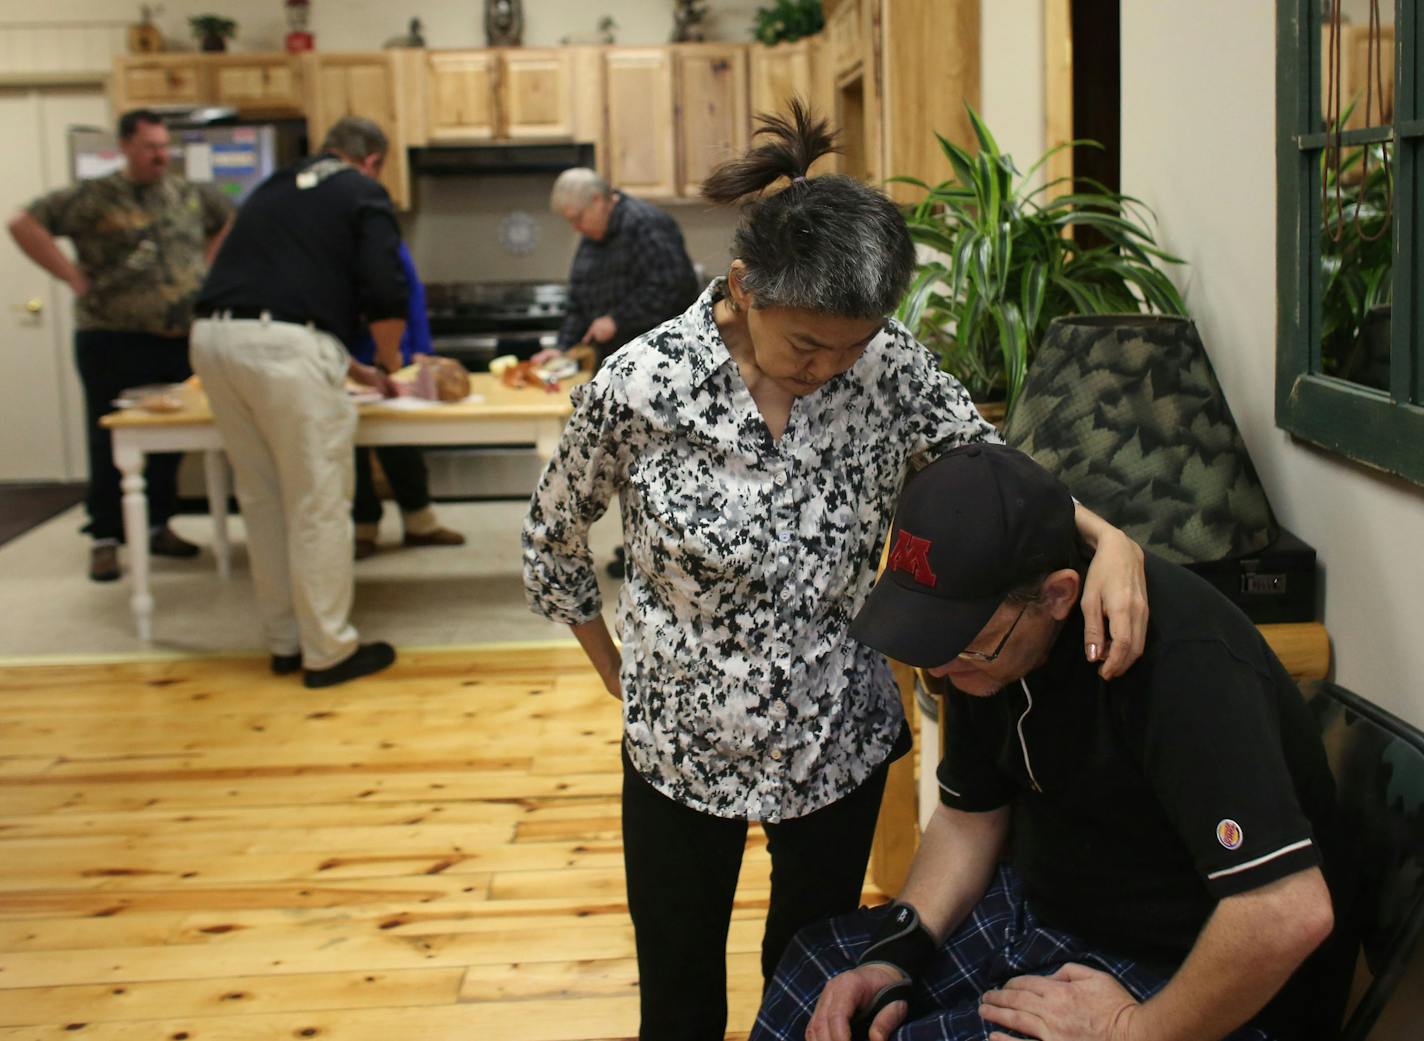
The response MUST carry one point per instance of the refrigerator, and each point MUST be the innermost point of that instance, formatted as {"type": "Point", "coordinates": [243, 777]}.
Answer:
{"type": "Point", "coordinates": [234, 156]}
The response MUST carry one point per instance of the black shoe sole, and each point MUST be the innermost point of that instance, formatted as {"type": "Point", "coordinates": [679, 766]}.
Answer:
{"type": "Point", "coordinates": [365, 660]}
{"type": "Point", "coordinates": [286, 664]}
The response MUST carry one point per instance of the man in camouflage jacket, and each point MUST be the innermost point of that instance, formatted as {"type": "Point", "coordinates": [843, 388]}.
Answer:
{"type": "Point", "coordinates": [143, 237]}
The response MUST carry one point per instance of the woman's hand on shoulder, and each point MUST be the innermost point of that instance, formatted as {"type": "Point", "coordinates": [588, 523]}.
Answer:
{"type": "Point", "coordinates": [1114, 603]}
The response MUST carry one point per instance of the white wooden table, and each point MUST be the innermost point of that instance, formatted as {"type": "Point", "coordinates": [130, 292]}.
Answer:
{"type": "Point", "coordinates": [494, 414]}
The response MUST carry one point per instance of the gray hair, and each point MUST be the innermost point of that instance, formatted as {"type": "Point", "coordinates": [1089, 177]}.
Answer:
{"type": "Point", "coordinates": [576, 188]}
{"type": "Point", "coordinates": [827, 244]}
{"type": "Point", "coordinates": [355, 138]}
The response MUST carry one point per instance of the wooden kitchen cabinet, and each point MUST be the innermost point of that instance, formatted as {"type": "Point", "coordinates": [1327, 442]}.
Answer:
{"type": "Point", "coordinates": [158, 80]}
{"type": "Point", "coordinates": [368, 84]}
{"type": "Point", "coordinates": [536, 94]}
{"type": "Point", "coordinates": [903, 71]}
{"type": "Point", "coordinates": [460, 95]}
{"type": "Point", "coordinates": [499, 95]}
{"type": "Point", "coordinates": [257, 84]}
{"type": "Point", "coordinates": [640, 143]}
{"type": "Point", "coordinates": [792, 70]}
{"type": "Point", "coordinates": [713, 113]}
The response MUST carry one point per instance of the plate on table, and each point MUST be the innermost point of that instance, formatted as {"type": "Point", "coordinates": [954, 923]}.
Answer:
{"type": "Point", "coordinates": [152, 397]}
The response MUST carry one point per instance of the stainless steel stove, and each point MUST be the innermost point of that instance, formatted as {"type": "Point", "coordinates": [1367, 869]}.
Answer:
{"type": "Point", "coordinates": [476, 321]}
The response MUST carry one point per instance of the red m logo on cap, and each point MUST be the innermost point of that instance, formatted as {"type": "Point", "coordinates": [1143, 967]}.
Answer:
{"type": "Point", "coordinates": [910, 554]}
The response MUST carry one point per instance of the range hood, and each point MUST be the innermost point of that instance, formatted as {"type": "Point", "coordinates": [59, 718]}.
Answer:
{"type": "Point", "coordinates": [488, 159]}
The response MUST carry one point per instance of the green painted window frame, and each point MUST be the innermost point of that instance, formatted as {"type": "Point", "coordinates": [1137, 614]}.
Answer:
{"type": "Point", "coordinates": [1384, 429]}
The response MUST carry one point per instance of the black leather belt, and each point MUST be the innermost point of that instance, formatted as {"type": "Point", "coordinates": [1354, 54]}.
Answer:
{"type": "Point", "coordinates": [253, 313]}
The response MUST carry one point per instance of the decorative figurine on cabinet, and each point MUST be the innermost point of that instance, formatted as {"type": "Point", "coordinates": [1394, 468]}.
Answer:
{"type": "Point", "coordinates": [504, 23]}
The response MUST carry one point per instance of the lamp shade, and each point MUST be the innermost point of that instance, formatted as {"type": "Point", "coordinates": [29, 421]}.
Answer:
{"type": "Point", "coordinates": [1127, 412]}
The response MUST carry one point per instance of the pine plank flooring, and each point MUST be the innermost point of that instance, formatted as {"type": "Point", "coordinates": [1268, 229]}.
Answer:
{"type": "Point", "coordinates": [195, 850]}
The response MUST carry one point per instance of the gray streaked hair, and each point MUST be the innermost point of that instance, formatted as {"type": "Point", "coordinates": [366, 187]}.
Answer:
{"type": "Point", "coordinates": [828, 244]}
{"type": "Point", "coordinates": [355, 138]}
{"type": "Point", "coordinates": [577, 187]}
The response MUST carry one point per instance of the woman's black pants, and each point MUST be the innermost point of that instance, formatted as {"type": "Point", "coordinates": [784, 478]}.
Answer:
{"type": "Point", "coordinates": [682, 868]}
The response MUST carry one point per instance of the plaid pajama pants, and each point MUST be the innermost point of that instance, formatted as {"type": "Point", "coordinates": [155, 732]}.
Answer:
{"type": "Point", "coordinates": [1000, 940]}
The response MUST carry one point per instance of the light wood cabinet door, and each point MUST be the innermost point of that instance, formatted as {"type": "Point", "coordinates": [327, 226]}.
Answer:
{"type": "Point", "coordinates": [536, 94]}
{"type": "Point", "coordinates": [712, 109]}
{"type": "Point", "coordinates": [460, 95]}
{"type": "Point", "coordinates": [139, 82]}
{"type": "Point", "coordinates": [781, 73]}
{"type": "Point", "coordinates": [367, 85]}
{"type": "Point", "coordinates": [257, 84]}
{"type": "Point", "coordinates": [642, 153]}
{"type": "Point", "coordinates": [844, 27]}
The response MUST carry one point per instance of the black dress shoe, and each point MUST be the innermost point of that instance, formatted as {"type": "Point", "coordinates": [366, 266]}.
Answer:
{"type": "Point", "coordinates": [286, 664]}
{"type": "Point", "coordinates": [166, 543]}
{"type": "Point", "coordinates": [366, 659]}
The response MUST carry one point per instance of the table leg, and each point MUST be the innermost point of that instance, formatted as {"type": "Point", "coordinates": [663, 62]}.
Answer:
{"type": "Point", "coordinates": [216, 473]}
{"type": "Point", "coordinates": [547, 438]}
{"type": "Point", "coordinates": [129, 461]}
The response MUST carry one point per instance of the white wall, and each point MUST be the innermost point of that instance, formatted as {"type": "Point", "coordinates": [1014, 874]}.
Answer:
{"type": "Point", "coordinates": [1011, 76]}
{"type": "Point", "coordinates": [367, 24]}
{"type": "Point", "coordinates": [1201, 151]}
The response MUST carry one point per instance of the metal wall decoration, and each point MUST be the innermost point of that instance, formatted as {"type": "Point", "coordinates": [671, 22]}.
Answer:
{"type": "Point", "coordinates": [504, 23]}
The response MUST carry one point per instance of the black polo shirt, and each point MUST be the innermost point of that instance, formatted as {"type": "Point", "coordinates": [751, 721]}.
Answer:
{"type": "Point", "coordinates": [317, 241]}
{"type": "Point", "coordinates": [1139, 803]}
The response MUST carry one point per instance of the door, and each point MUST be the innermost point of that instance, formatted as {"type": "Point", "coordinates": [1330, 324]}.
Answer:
{"type": "Point", "coordinates": [362, 85]}
{"type": "Point", "coordinates": [641, 144]}
{"type": "Point", "coordinates": [143, 82]}
{"type": "Point", "coordinates": [460, 95]}
{"type": "Point", "coordinates": [258, 86]}
{"type": "Point", "coordinates": [537, 92]}
{"type": "Point", "coordinates": [713, 110]}
{"type": "Point", "coordinates": [41, 405]}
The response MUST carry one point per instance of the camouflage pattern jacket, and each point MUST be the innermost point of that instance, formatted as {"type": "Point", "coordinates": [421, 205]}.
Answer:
{"type": "Point", "coordinates": [140, 246]}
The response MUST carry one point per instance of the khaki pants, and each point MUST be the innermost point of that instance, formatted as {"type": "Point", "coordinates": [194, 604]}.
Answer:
{"type": "Point", "coordinates": [277, 395]}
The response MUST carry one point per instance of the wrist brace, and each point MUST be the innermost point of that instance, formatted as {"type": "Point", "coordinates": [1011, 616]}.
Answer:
{"type": "Point", "coordinates": [901, 941]}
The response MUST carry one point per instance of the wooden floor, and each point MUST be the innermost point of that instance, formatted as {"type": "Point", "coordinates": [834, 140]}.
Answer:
{"type": "Point", "coordinates": [195, 850]}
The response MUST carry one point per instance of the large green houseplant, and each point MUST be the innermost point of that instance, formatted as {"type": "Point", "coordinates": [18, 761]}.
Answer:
{"type": "Point", "coordinates": [1004, 265]}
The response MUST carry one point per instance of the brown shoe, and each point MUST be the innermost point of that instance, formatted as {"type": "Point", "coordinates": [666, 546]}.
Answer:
{"type": "Point", "coordinates": [365, 548]}
{"type": "Point", "coordinates": [438, 537]}
{"type": "Point", "coordinates": [104, 563]}
{"type": "Point", "coordinates": [166, 543]}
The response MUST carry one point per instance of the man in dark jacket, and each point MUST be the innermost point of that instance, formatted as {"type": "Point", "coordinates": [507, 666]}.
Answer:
{"type": "Point", "coordinates": [313, 251]}
{"type": "Point", "coordinates": [631, 272]}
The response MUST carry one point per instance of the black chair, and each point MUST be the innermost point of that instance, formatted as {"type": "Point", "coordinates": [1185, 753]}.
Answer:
{"type": "Point", "coordinates": [1378, 763]}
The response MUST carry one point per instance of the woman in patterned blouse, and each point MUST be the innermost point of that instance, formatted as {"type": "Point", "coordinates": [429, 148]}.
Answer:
{"type": "Point", "coordinates": [757, 444]}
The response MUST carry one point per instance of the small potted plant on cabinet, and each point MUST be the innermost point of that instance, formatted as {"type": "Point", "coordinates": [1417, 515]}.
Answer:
{"type": "Point", "coordinates": [212, 30]}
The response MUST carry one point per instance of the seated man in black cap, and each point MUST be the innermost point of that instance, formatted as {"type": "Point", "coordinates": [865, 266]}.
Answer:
{"type": "Point", "coordinates": [1165, 874]}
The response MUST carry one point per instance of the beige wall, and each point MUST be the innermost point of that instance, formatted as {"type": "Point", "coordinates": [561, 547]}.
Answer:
{"type": "Point", "coordinates": [1011, 76]}
{"type": "Point", "coordinates": [365, 24]}
{"type": "Point", "coordinates": [1200, 151]}
{"type": "Point", "coordinates": [1204, 159]}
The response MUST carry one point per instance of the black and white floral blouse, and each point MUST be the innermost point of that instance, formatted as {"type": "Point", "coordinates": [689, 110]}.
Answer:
{"type": "Point", "coordinates": [743, 695]}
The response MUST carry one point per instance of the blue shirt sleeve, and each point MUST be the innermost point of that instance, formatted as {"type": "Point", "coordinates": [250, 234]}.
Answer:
{"type": "Point", "coordinates": [416, 338]}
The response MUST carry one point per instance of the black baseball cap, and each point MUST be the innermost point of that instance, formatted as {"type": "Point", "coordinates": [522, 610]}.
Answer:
{"type": "Point", "coordinates": [973, 525]}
